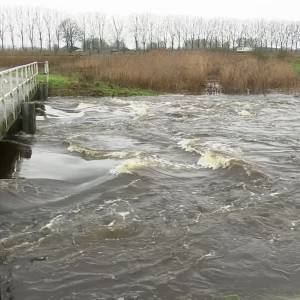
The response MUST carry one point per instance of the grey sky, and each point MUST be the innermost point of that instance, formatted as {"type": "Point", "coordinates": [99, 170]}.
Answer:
{"type": "Point", "coordinates": [245, 9]}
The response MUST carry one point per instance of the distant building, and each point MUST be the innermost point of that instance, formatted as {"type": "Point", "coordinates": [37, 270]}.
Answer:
{"type": "Point", "coordinates": [72, 49]}
{"type": "Point", "coordinates": [244, 49]}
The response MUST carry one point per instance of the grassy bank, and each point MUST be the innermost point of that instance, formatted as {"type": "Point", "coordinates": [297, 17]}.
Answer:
{"type": "Point", "coordinates": [165, 71]}
{"type": "Point", "coordinates": [64, 85]}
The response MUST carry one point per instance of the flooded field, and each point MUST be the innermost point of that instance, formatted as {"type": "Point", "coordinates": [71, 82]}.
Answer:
{"type": "Point", "coordinates": [168, 197]}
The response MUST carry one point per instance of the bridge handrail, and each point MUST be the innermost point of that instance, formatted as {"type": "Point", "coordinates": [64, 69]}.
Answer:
{"type": "Point", "coordinates": [17, 85]}
{"type": "Point", "coordinates": [7, 71]}
{"type": "Point", "coordinates": [14, 79]}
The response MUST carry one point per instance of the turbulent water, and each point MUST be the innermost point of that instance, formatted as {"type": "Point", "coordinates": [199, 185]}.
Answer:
{"type": "Point", "coordinates": [169, 197]}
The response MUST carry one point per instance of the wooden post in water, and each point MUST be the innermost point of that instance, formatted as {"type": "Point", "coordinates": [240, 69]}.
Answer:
{"type": "Point", "coordinates": [28, 117]}
{"type": "Point", "coordinates": [42, 93]}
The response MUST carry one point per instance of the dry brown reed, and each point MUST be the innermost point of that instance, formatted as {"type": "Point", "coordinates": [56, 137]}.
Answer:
{"type": "Point", "coordinates": [173, 71]}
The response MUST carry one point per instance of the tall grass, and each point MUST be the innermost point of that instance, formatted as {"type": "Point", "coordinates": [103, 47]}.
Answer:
{"type": "Point", "coordinates": [177, 71]}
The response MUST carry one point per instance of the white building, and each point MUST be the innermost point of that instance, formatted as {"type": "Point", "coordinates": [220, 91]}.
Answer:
{"type": "Point", "coordinates": [244, 49]}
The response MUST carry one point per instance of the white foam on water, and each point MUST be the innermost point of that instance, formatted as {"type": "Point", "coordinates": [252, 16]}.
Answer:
{"type": "Point", "coordinates": [119, 101]}
{"type": "Point", "coordinates": [189, 145]}
{"type": "Point", "coordinates": [101, 154]}
{"type": "Point", "coordinates": [140, 109]}
{"type": "Point", "coordinates": [215, 155]}
{"type": "Point", "coordinates": [245, 113]}
{"type": "Point", "coordinates": [214, 160]}
{"type": "Point", "coordinates": [123, 214]}
{"type": "Point", "coordinates": [131, 165]}
{"type": "Point", "coordinates": [86, 106]}
{"type": "Point", "coordinates": [53, 225]}
{"type": "Point", "coordinates": [53, 113]}
{"type": "Point", "coordinates": [112, 223]}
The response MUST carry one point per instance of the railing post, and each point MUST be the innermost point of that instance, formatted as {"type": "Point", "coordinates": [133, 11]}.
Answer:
{"type": "Point", "coordinates": [25, 83]}
{"type": "Point", "coordinates": [36, 74]}
{"type": "Point", "coordinates": [10, 81]}
{"type": "Point", "coordinates": [22, 82]}
{"type": "Point", "coordinates": [3, 99]}
{"type": "Point", "coordinates": [17, 77]}
{"type": "Point", "coordinates": [2, 86]}
{"type": "Point", "coordinates": [31, 75]}
{"type": "Point", "coordinates": [46, 69]}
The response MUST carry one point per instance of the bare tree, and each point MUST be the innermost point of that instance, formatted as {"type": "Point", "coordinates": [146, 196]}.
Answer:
{"type": "Point", "coordinates": [20, 22]}
{"type": "Point", "coordinates": [164, 32]}
{"type": "Point", "coordinates": [158, 34]}
{"type": "Point", "coordinates": [40, 26]}
{"type": "Point", "coordinates": [117, 30]}
{"type": "Point", "coordinates": [199, 32]}
{"type": "Point", "coordinates": [135, 30]}
{"type": "Point", "coordinates": [23, 27]}
{"type": "Point", "coordinates": [48, 22]}
{"type": "Point", "coordinates": [233, 33]}
{"type": "Point", "coordinates": [57, 20]}
{"type": "Point", "coordinates": [31, 23]}
{"type": "Point", "coordinates": [100, 22]}
{"type": "Point", "coordinates": [144, 30]}
{"type": "Point", "coordinates": [171, 31]}
{"type": "Point", "coordinates": [185, 32]}
{"type": "Point", "coordinates": [3, 26]}
{"type": "Point", "coordinates": [151, 27]}
{"type": "Point", "coordinates": [288, 35]}
{"type": "Point", "coordinates": [192, 25]}
{"type": "Point", "coordinates": [281, 35]}
{"type": "Point", "coordinates": [83, 24]}
{"type": "Point", "coordinates": [71, 33]}
{"type": "Point", "coordinates": [178, 31]}
{"type": "Point", "coordinates": [11, 27]}
{"type": "Point", "coordinates": [297, 35]}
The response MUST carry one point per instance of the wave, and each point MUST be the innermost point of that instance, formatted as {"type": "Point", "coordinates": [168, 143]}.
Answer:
{"type": "Point", "coordinates": [215, 160]}
{"type": "Point", "coordinates": [219, 156]}
{"type": "Point", "coordinates": [190, 145]}
{"type": "Point", "coordinates": [131, 166]}
{"type": "Point", "coordinates": [89, 153]}
{"type": "Point", "coordinates": [52, 225]}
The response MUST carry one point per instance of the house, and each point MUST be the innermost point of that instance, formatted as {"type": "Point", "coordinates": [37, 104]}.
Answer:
{"type": "Point", "coordinates": [244, 49]}
{"type": "Point", "coordinates": [73, 49]}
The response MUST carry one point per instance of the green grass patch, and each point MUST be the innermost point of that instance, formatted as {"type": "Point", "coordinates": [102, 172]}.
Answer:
{"type": "Point", "coordinates": [294, 60]}
{"type": "Point", "coordinates": [296, 66]}
{"type": "Point", "coordinates": [61, 85]}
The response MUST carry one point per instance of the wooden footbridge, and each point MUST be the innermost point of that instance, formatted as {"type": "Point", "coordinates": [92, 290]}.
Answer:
{"type": "Point", "coordinates": [19, 86]}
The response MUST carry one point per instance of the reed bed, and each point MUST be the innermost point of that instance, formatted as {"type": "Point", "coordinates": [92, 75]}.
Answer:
{"type": "Point", "coordinates": [174, 71]}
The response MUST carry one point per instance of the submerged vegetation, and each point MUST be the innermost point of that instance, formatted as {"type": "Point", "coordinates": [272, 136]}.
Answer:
{"type": "Point", "coordinates": [165, 71]}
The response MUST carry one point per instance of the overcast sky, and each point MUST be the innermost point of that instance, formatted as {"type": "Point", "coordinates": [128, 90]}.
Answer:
{"type": "Point", "coordinates": [243, 9]}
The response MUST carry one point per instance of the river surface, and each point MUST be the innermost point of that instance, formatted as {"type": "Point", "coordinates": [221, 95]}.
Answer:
{"type": "Point", "coordinates": [169, 197]}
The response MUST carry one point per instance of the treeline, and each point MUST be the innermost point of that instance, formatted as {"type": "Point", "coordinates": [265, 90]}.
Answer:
{"type": "Point", "coordinates": [38, 28]}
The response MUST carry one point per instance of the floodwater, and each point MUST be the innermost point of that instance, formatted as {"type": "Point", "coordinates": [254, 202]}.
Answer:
{"type": "Point", "coordinates": [169, 197]}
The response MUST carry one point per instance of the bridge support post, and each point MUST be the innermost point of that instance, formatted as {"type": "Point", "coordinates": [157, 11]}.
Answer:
{"type": "Point", "coordinates": [28, 117]}
{"type": "Point", "coordinates": [42, 92]}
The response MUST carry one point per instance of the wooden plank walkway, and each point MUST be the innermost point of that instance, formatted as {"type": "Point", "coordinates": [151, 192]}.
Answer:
{"type": "Point", "coordinates": [17, 85]}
